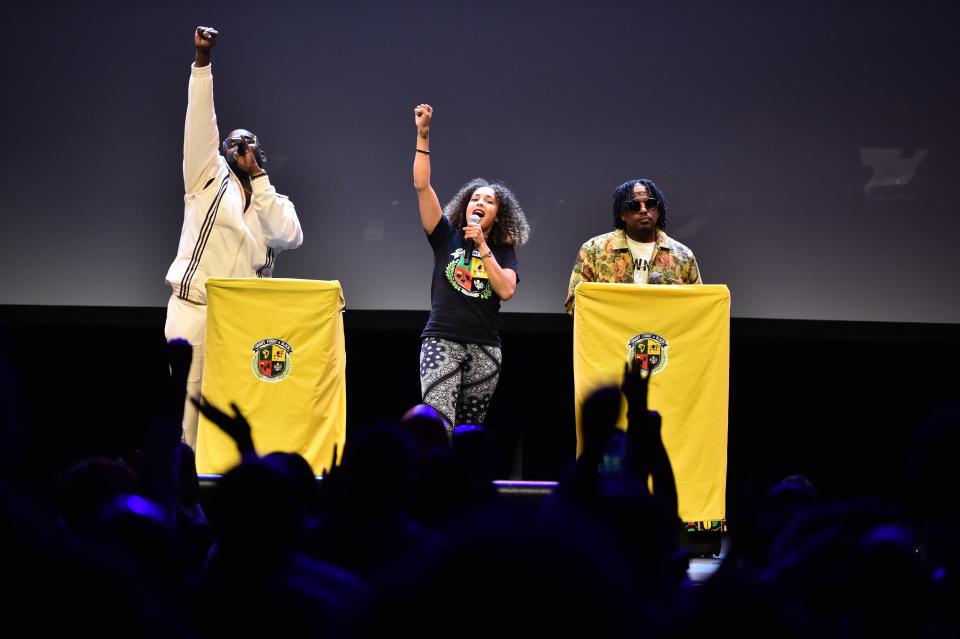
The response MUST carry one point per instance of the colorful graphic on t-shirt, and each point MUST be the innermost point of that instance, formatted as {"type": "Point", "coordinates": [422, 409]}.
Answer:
{"type": "Point", "coordinates": [470, 279]}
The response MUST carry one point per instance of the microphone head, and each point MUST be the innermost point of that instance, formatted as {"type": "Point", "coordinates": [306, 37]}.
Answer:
{"type": "Point", "coordinates": [474, 219]}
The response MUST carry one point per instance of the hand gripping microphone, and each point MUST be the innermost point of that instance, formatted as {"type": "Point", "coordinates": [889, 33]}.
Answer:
{"type": "Point", "coordinates": [468, 244]}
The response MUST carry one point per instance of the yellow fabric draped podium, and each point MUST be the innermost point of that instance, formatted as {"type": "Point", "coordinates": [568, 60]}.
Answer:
{"type": "Point", "coordinates": [682, 335]}
{"type": "Point", "coordinates": [275, 347]}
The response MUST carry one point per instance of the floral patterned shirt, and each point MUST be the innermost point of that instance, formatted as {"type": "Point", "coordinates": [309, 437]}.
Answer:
{"type": "Point", "coordinates": [607, 258]}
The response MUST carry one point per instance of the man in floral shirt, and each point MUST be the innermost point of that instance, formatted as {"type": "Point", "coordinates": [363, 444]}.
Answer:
{"type": "Point", "coordinates": [638, 251]}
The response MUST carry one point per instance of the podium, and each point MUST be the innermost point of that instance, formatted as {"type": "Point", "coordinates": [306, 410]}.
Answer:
{"type": "Point", "coordinates": [681, 334]}
{"type": "Point", "coordinates": [275, 347]}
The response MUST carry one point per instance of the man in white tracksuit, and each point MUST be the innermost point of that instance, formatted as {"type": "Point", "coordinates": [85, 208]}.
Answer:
{"type": "Point", "coordinates": [234, 221]}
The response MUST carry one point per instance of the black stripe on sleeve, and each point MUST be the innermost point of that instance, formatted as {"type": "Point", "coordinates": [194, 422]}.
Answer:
{"type": "Point", "coordinates": [201, 244]}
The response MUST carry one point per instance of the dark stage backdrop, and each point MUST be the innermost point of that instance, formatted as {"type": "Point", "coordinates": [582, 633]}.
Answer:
{"type": "Point", "coordinates": [807, 149]}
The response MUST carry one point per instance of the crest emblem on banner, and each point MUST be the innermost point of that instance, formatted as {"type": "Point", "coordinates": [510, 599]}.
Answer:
{"type": "Point", "coordinates": [470, 279]}
{"type": "Point", "coordinates": [272, 359]}
{"type": "Point", "coordinates": [649, 351]}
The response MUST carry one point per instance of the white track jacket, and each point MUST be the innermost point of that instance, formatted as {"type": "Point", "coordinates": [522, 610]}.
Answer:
{"type": "Point", "coordinates": [219, 238]}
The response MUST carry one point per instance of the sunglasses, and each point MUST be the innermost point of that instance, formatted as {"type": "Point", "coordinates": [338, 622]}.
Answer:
{"type": "Point", "coordinates": [633, 206]}
{"type": "Point", "coordinates": [243, 140]}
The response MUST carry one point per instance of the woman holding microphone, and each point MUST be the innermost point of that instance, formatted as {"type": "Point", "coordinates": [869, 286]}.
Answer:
{"type": "Point", "coordinates": [474, 269]}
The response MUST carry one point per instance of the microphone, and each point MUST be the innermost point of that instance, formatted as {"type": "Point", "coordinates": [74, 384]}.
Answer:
{"type": "Point", "coordinates": [468, 244]}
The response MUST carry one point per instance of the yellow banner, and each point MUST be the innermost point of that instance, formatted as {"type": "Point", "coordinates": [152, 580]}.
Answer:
{"type": "Point", "coordinates": [681, 334]}
{"type": "Point", "coordinates": [275, 347]}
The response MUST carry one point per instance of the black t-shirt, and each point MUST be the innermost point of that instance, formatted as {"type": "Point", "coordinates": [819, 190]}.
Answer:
{"type": "Point", "coordinates": [464, 307]}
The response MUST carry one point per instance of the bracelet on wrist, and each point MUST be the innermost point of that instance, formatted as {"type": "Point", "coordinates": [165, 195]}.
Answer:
{"type": "Point", "coordinates": [486, 255]}
{"type": "Point", "coordinates": [422, 151]}
{"type": "Point", "coordinates": [258, 175]}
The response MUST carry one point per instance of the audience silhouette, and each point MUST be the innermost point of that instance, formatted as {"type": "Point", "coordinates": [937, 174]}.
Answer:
{"type": "Point", "coordinates": [409, 535]}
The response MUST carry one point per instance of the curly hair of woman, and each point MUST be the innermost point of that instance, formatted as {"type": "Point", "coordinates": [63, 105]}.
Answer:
{"type": "Point", "coordinates": [511, 228]}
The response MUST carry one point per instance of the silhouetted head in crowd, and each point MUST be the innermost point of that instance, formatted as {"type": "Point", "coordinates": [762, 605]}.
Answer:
{"type": "Point", "coordinates": [891, 585]}
{"type": "Point", "coordinates": [793, 491]}
{"type": "Point", "coordinates": [930, 486]}
{"type": "Point", "coordinates": [91, 484]}
{"type": "Point", "coordinates": [510, 573]}
{"type": "Point", "coordinates": [934, 451]}
{"type": "Point", "coordinates": [258, 510]}
{"type": "Point", "coordinates": [785, 501]}
{"type": "Point", "coordinates": [298, 473]}
{"type": "Point", "coordinates": [598, 419]}
{"type": "Point", "coordinates": [139, 532]}
{"type": "Point", "coordinates": [426, 428]}
{"type": "Point", "coordinates": [379, 464]}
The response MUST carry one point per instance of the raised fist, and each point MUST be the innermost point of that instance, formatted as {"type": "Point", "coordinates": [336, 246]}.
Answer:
{"type": "Point", "coordinates": [205, 38]}
{"type": "Point", "coordinates": [422, 115]}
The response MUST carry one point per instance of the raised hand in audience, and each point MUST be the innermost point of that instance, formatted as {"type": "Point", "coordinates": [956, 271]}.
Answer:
{"type": "Point", "coordinates": [158, 468]}
{"type": "Point", "coordinates": [179, 354]}
{"type": "Point", "coordinates": [646, 455]}
{"type": "Point", "coordinates": [236, 426]}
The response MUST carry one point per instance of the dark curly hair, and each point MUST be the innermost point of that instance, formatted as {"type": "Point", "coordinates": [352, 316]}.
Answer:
{"type": "Point", "coordinates": [510, 229]}
{"type": "Point", "coordinates": [624, 194]}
